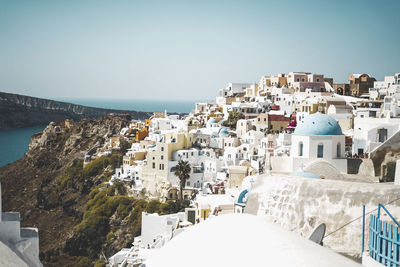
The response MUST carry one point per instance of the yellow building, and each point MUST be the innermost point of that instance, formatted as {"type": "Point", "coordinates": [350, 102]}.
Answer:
{"type": "Point", "coordinates": [147, 122]}
{"type": "Point", "coordinates": [131, 157]}
{"type": "Point", "coordinates": [155, 172]}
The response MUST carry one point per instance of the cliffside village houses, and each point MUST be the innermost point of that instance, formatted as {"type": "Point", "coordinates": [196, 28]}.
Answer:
{"type": "Point", "coordinates": [264, 138]}
{"type": "Point", "coordinates": [298, 125]}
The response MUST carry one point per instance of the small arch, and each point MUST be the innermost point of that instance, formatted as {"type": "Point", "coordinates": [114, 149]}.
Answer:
{"type": "Point", "coordinates": [338, 150]}
{"type": "Point", "coordinates": [241, 198]}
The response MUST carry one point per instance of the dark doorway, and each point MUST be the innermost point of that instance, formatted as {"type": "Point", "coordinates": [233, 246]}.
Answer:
{"type": "Point", "coordinates": [382, 135]}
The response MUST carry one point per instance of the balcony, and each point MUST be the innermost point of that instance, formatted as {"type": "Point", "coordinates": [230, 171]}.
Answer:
{"type": "Point", "coordinates": [198, 169]}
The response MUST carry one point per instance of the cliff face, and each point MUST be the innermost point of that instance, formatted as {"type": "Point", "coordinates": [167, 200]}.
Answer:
{"type": "Point", "coordinates": [17, 111]}
{"type": "Point", "coordinates": [31, 186]}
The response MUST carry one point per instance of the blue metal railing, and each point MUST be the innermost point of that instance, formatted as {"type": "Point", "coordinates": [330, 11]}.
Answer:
{"type": "Point", "coordinates": [384, 240]}
{"type": "Point", "coordinates": [387, 212]}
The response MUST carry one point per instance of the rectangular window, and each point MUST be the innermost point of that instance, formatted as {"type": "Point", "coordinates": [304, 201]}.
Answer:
{"type": "Point", "coordinates": [154, 165]}
{"type": "Point", "coordinates": [320, 152]}
{"type": "Point", "coordinates": [162, 157]}
{"type": "Point", "coordinates": [162, 148]}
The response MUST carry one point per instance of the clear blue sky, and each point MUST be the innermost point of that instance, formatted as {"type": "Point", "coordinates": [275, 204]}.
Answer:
{"type": "Point", "coordinates": [188, 49]}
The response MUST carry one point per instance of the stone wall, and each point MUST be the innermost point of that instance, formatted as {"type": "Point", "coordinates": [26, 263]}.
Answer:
{"type": "Point", "coordinates": [391, 146]}
{"type": "Point", "coordinates": [301, 204]}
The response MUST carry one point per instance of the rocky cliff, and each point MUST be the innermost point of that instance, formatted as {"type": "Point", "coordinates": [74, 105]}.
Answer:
{"type": "Point", "coordinates": [78, 222]}
{"type": "Point", "coordinates": [17, 111]}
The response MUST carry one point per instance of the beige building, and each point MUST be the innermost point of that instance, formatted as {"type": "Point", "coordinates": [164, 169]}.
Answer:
{"type": "Point", "coordinates": [262, 122]}
{"type": "Point", "coordinates": [242, 127]}
{"type": "Point", "coordinates": [236, 174]}
{"type": "Point", "coordinates": [325, 102]}
{"type": "Point", "coordinates": [130, 157]}
{"type": "Point", "coordinates": [155, 171]}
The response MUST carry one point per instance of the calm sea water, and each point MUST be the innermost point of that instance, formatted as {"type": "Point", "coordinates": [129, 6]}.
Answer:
{"type": "Point", "coordinates": [14, 143]}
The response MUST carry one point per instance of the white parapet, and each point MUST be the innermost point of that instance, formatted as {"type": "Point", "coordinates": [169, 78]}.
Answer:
{"type": "Point", "coordinates": [243, 240]}
{"type": "Point", "coordinates": [370, 262]}
{"type": "Point", "coordinates": [397, 173]}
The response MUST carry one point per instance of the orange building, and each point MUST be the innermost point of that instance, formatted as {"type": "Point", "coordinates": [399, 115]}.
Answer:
{"type": "Point", "coordinates": [142, 134]}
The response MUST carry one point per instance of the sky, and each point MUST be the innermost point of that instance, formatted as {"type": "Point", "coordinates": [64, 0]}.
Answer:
{"type": "Point", "coordinates": [187, 50]}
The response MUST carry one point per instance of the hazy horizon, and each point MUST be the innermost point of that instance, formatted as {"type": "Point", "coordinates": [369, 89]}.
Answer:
{"type": "Point", "coordinates": [187, 50]}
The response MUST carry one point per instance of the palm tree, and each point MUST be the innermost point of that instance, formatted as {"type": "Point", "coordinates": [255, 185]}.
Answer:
{"type": "Point", "coordinates": [183, 172]}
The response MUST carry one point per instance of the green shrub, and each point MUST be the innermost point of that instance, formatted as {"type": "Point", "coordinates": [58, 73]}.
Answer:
{"type": "Point", "coordinates": [71, 174]}
{"type": "Point", "coordinates": [92, 169]}
{"type": "Point", "coordinates": [94, 229]}
{"type": "Point", "coordinates": [109, 236]}
{"type": "Point", "coordinates": [124, 146]}
{"type": "Point", "coordinates": [232, 119]}
{"type": "Point", "coordinates": [153, 206]}
{"type": "Point", "coordinates": [100, 263]}
{"type": "Point", "coordinates": [83, 262]}
{"type": "Point", "coordinates": [169, 207]}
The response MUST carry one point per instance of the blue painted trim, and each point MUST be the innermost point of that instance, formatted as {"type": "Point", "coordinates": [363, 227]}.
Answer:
{"type": "Point", "coordinates": [387, 212]}
{"type": "Point", "coordinates": [242, 195]}
{"type": "Point", "coordinates": [363, 230]}
{"type": "Point", "coordinates": [384, 239]}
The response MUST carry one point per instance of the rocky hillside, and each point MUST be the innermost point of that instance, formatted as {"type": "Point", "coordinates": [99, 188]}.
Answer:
{"type": "Point", "coordinates": [17, 111]}
{"type": "Point", "coordinates": [79, 223]}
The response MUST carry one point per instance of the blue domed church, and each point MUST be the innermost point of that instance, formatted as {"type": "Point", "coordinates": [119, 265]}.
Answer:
{"type": "Point", "coordinates": [318, 138]}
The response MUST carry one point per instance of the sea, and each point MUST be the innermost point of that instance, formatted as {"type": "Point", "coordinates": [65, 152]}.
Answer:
{"type": "Point", "coordinates": [14, 143]}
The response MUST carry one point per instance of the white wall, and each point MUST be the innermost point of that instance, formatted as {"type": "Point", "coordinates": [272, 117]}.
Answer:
{"type": "Point", "coordinates": [366, 132]}
{"type": "Point", "coordinates": [154, 225]}
{"type": "Point", "coordinates": [301, 204]}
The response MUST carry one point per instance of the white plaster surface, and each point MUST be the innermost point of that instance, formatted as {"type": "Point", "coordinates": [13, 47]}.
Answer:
{"type": "Point", "coordinates": [8, 258]}
{"type": "Point", "coordinates": [370, 262]}
{"type": "Point", "coordinates": [243, 240]}
{"type": "Point", "coordinates": [300, 204]}
{"type": "Point", "coordinates": [397, 173]}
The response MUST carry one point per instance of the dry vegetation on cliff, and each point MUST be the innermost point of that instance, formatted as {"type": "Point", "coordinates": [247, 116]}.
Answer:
{"type": "Point", "coordinates": [78, 221]}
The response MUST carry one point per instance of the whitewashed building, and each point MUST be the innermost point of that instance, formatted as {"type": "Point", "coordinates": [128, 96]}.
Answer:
{"type": "Point", "coordinates": [23, 242]}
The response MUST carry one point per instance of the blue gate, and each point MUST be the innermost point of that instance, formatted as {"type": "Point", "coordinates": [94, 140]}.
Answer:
{"type": "Point", "coordinates": [384, 240]}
